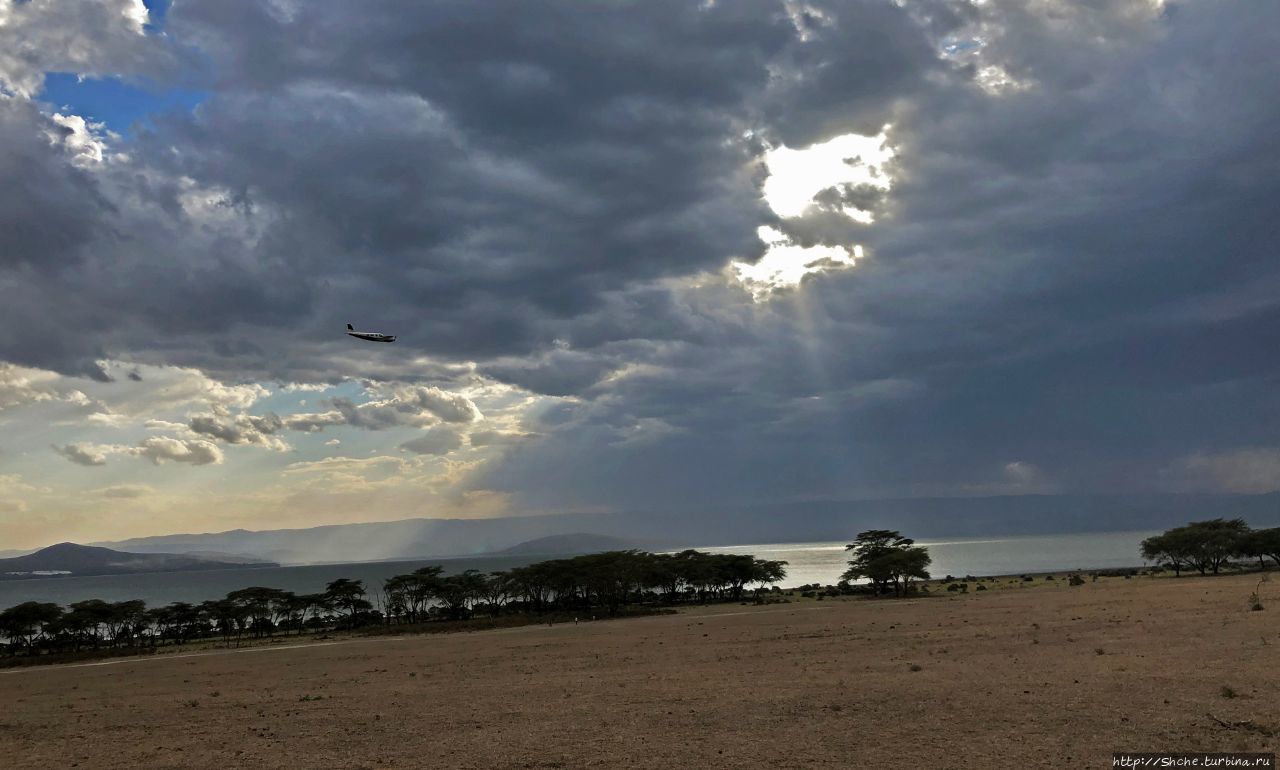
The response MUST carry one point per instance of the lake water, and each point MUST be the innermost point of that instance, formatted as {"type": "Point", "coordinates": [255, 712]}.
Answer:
{"type": "Point", "coordinates": [807, 563]}
{"type": "Point", "coordinates": [824, 562]}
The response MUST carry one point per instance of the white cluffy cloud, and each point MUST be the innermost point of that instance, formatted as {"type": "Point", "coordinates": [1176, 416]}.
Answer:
{"type": "Point", "coordinates": [400, 405]}
{"type": "Point", "coordinates": [89, 38]}
{"type": "Point", "coordinates": [157, 449]}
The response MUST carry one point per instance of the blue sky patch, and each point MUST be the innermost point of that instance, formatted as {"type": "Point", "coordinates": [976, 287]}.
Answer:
{"type": "Point", "coordinates": [112, 101]}
{"type": "Point", "coordinates": [157, 10]}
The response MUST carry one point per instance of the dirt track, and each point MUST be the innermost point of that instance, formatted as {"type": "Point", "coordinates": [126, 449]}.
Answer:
{"type": "Point", "coordinates": [1050, 676]}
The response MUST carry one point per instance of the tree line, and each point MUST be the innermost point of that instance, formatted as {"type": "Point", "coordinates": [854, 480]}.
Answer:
{"type": "Point", "coordinates": [600, 582]}
{"type": "Point", "coordinates": [1208, 546]}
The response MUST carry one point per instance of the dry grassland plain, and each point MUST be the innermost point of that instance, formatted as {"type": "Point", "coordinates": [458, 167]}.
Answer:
{"type": "Point", "coordinates": [1048, 677]}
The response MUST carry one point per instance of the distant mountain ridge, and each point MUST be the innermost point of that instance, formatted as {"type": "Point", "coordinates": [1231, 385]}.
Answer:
{"type": "Point", "coordinates": [76, 560]}
{"type": "Point", "coordinates": [806, 521]}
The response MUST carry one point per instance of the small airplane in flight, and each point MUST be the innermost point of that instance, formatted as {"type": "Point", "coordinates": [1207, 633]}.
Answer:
{"type": "Point", "coordinates": [371, 336]}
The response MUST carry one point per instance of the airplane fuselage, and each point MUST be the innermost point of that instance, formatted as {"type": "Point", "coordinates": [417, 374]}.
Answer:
{"type": "Point", "coordinates": [373, 336]}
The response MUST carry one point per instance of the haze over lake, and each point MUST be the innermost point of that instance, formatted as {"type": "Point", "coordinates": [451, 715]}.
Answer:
{"type": "Point", "coordinates": [820, 562]}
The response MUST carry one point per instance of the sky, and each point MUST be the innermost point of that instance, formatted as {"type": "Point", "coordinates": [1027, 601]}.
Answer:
{"type": "Point", "coordinates": [638, 255]}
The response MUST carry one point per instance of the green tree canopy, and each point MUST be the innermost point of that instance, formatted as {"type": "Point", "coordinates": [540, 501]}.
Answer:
{"type": "Point", "coordinates": [888, 560]}
{"type": "Point", "coordinates": [1204, 545]}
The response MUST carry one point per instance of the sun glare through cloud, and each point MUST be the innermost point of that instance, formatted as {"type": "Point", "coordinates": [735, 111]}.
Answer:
{"type": "Point", "coordinates": [844, 175]}
{"type": "Point", "coordinates": [796, 177]}
{"type": "Point", "coordinates": [785, 263]}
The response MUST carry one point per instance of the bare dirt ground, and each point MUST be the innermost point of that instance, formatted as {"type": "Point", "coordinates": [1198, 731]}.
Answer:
{"type": "Point", "coordinates": [1051, 677]}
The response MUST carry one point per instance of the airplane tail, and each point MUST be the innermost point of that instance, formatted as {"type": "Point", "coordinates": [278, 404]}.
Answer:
{"type": "Point", "coordinates": [350, 328]}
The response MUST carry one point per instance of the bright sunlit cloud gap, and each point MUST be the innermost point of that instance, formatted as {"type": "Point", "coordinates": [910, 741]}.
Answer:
{"type": "Point", "coordinates": [844, 175]}
{"type": "Point", "coordinates": [796, 177]}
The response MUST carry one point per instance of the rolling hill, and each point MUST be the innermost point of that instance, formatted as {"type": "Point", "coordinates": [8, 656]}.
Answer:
{"type": "Point", "coordinates": [76, 560]}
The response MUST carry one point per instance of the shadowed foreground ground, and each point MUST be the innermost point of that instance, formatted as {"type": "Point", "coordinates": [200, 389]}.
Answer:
{"type": "Point", "coordinates": [1052, 677]}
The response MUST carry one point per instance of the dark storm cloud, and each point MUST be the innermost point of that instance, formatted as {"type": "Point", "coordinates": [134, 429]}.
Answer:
{"type": "Point", "coordinates": [508, 163]}
{"type": "Point", "coordinates": [468, 175]}
{"type": "Point", "coordinates": [49, 209]}
{"type": "Point", "coordinates": [1079, 276]}
{"type": "Point", "coordinates": [1074, 276]}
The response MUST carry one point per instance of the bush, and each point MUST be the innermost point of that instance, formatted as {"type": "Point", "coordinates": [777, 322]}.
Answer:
{"type": "Point", "coordinates": [1076, 580]}
{"type": "Point", "coordinates": [981, 587]}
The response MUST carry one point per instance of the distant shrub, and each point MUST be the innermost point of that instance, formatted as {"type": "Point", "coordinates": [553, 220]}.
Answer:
{"type": "Point", "coordinates": [1049, 577]}
{"type": "Point", "coordinates": [949, 579]}
{"type": "Point", "coordinates": [807, 594]}
{"type": "Point", "coordinates": [1228, 692]}
{"type": "Point", "coordinates": [1076, 580]}
{"type": "Point", "coordinates": [1255, 603]}
{"type": "Point", "coordinates": [917, 667]}
{"type": "Point", "coordinates": [1027, 578]}
{"type": "Point", "coordinates": [1099, 651]}
{"type": "Point", "coordinates": [981, 587]}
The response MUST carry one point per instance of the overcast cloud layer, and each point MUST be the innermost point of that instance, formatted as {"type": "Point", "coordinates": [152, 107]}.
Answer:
{"type": "Point", "coordinates": [1058, 274]}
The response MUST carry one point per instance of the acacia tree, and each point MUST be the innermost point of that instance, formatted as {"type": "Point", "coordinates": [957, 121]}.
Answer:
{"type": "Point", "coordinates": [347, 595]}
{"type": "Point", "coordinates": [411, 594]}
{"type": "Point", "coordinates": [265, 607]}
{"type": "Point", "coordinates": [24, 623]}
{"type": "Point", "coordinates": [1218, 540]}
{"type": "Point", "coordinates": [1205, 545]}
{"type": "Point", "coordinates": [1264, 543]}
{"type": "Point", "coordinates": [765, 571]}
{"type": "Point", "coordinates": [533, 584]}
{"type": "Point", "coordinates": [458, 592]}
{"type": "Point", "coordinates": [125, 619]}
{"type": "Point", "coordinates": [315, 604]}
{"type": "Point", "coordinates": [85, 620]}
{"type": "Point", "coordinates": [887, 559]}
{"type": "Point", "coordinates": [1172, 549]}
{"type": "Point", "coordinates": [662, 572]}
{"type": "Point", "coordinates": [498, 587]}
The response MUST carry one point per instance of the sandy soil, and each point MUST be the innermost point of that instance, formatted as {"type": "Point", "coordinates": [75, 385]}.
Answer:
{"type": "Point", "coordinates": [1052, 677]}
